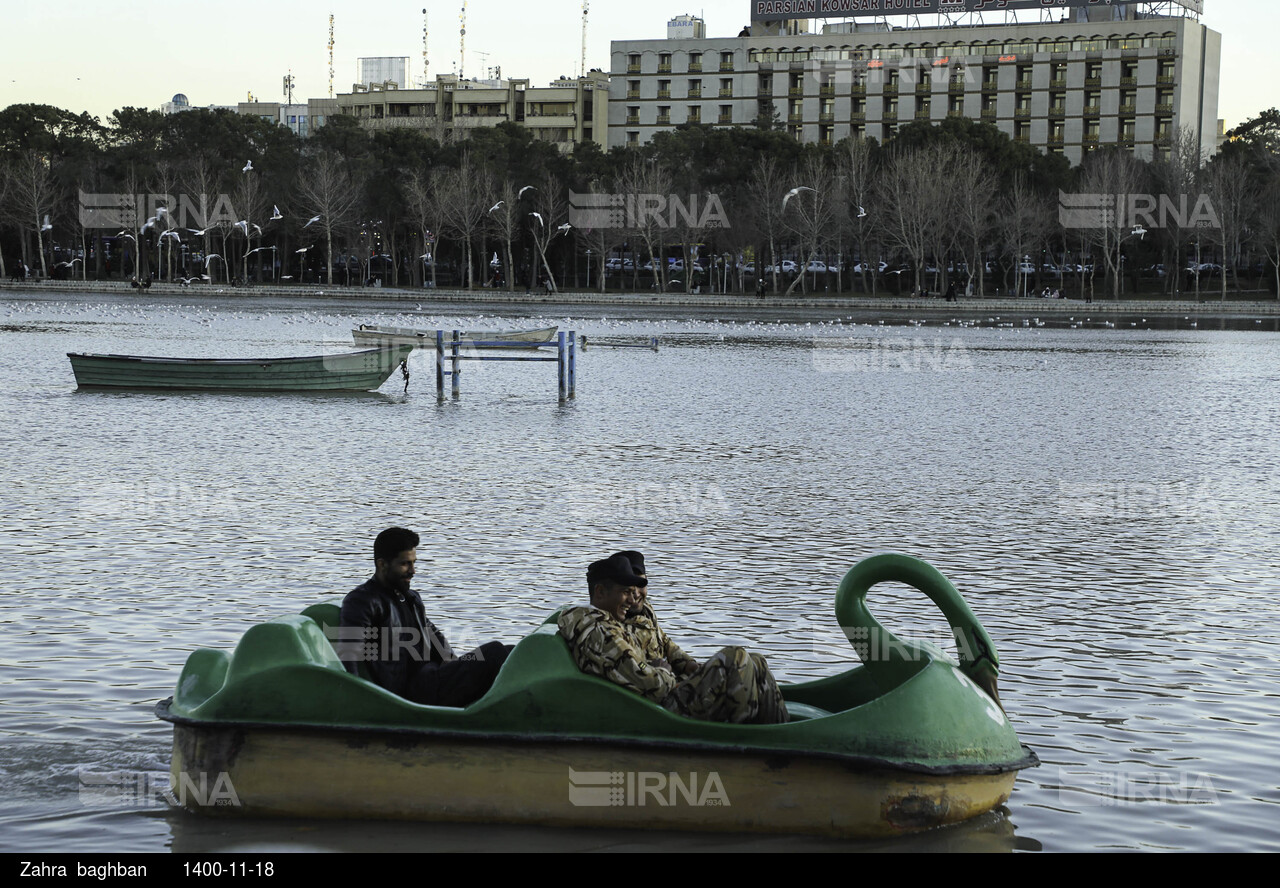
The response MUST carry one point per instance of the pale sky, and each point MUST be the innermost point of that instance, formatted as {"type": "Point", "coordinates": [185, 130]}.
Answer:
{"type": "Point", "coordinates": [99, 56]}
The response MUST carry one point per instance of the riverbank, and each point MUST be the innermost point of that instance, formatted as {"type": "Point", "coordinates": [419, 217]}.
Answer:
{"type": "Point", "coordinates": [1207, 306]}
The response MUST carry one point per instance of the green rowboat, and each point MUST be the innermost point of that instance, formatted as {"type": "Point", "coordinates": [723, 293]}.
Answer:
{"type": "Point", "coordinates": [907, 741]}
{"type": "Point", "coordinates": [359, 371]}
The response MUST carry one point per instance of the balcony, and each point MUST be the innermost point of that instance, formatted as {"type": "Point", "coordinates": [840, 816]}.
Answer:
{"type": "Point", "coordinates": [924, 114]}
{"type": "Point", "coordinates": [956, 86]}
{"type": "Point", "coordinates": [795, 117]}
{"type": "Point", "coordinates": [1165, 80]}
{"type": "Point", "coordinates": [924, 89]}
{"type": "Point", "coordinates": [990, 86]}
{"type": "Point", "coordinates": [726, 93]}
{"type": "Point", "coordinates": [1166, 108]}
{"type": "Point", "coordinates": [827, 117]}
{"type": "Point", "coordinates": [633, 120]}
{"type": "Point", "coordinates": [796, 92]}
{"type": "Point", "coordinates": [827, 91]}
{"type": "Point", "coordinates": [765, 91]}
{"type": "Point", "coordinates": [1092, 82]}
{"type": "Point", "coordinates": [1128, 81]}
{"type": "Point", "coordinates": [1092, 110]}
{"type": "Point", "coordinates": [695, 93]}
{"type": "Point", "coordinates": [664, 120]}
{"type": "Point", "coordinates": [633, 68]}
{"type": "Point", "coordinates": [633, 94]}
{"type": "Point", "coordinates": [858, 117]}
{"type": "Point", "coordinates": [988, 114]}
{"type": "Point", "coordinates": [663, 94]}
{"type": "Point", "coordinates": [725, 119]}
{"type": "Point", "coordinates": [1023, 85]}
{"type": "Point", "coordinates": [1129, 109]}
{"type": "Point", "coordinates": [891, 89]}
{"type": "Point", "coordinates": [1058, 83]}
{"type": "Point", "coordinates": [696, 67]}
{"type": "Point", "coordinates": [858, 89]}
{"type": "Point", "coordinates": [1022, 113]}
{"type": "Point", "coordinates": [726, 67]}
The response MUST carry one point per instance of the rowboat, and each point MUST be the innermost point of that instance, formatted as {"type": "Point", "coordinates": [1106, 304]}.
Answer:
{"type": "Point", "coordinates": [909, 740]}
{"type": "Point", "coordinates": [367, 334]}
{"type": "Point", "coordinates": [350, 372]}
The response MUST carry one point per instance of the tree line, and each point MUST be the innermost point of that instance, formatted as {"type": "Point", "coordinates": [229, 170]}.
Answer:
{"type": "Point", "coordinates": [225, 197]}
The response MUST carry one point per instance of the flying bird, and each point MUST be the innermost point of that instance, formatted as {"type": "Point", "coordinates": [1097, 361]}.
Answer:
{"type": "Point", "coordinates": [564, 228]}
{"type": "Point", "coordinates": [199, 233]}
{"type": "Point", "coordinates": [247, 167]}
{"type": "Point", "coordinates": [210, 258]}
{"type": "Point", "coordinates": [275, 216]}
{"type": "Point", "coordinates": [862, 214]}
{"type": "Point", "coordinates": [303, 250]}
{"type": "Point", "coordinates": [495, 207]}
{"type": "Point", "coordinates": [313, 221]}
{"type": "Point", "coordinates": [792, 193]}
{"type": "Point", "coordinates": [47, 226]}
{"type": "Point", "coordinates": [538, 216]}
{"type": "Point", "coordinates": [1139, 232]}
{"type": "Point", "coordinates": [524, 189]}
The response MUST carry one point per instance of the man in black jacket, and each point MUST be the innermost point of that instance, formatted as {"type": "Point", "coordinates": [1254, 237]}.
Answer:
{"type": "Point", "coordinates": [403, 650]}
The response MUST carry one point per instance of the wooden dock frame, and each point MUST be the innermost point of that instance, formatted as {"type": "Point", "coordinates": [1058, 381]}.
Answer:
{"type": "Point", "coordinates": [566, 359]}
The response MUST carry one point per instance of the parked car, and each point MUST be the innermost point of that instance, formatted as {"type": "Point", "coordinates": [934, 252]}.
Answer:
{"type": "Point", "coordinates": [870, 268]}
{"type": "Point", "coordinates": [816, 266]}
{"type": "Point", "coordinates": [788, 266]}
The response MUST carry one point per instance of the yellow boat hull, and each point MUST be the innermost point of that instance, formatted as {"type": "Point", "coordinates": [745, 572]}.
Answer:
{"type": "Point", "coordinates": [266, 772]}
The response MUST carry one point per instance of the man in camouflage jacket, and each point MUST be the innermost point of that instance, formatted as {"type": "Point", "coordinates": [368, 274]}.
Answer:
{"type": "Point", "coordinates": [732, 686]}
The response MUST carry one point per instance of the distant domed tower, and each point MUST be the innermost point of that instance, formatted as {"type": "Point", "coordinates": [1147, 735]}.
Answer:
{"type": "Point", "coordinates": [181, 101]}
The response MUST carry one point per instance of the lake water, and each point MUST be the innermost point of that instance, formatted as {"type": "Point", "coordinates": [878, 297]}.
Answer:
{"type": "Point", "coordinates": [1104, 492]}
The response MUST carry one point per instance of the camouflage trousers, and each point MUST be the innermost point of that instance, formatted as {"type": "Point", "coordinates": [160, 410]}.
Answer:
{"type": "Point", "coordinates": [733, 686]}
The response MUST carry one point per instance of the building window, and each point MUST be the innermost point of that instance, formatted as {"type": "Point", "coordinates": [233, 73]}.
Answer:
{"type": "Point", "coordinates": [664, 62]}
{"type": "Point", "coordinates": [695, 89]}
{"type": "Point", "coordinates": [695, 114]}
{"type": "Point", "coordinates": [695, 61]}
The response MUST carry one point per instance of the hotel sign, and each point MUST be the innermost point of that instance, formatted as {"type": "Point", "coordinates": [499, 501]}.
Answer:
{"type": "Point", "coordinates": [782, 10]}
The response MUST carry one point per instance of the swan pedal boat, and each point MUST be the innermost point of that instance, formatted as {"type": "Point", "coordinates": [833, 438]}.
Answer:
{"type": "Point", "coordinates": [907, 741]}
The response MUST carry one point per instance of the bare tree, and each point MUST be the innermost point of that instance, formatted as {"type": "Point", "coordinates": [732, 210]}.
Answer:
{"type": "Point", "coordinates": [1230, 189]}
{"type": "Point", "coordinates": [765, 190]}
{"type": "Point", "coordinates": [549, 219]}
{"type": "Point", "coordinates": [813, 213]}
{"type": "Point", "coordinates": [422, 192]}
{"type": "Point", "coordinates": [974, 187]}
{"type": "Point", "coordinates": [854, 172]}
{"type": "Point", "coordinates": [907, 193]}
{"type": "Point", "coordinates": [1178, 176]}
{"type": "Point", "coordinates": [1268, 223]}
{"type": "Point", "coordinates": [466, 192]}
{"type": "Point", "coordinates": [328, 190]}
{"type": "Point", "coordinates": [35, 194]}
{"type": "Point", "coordinates": [1112, 175]}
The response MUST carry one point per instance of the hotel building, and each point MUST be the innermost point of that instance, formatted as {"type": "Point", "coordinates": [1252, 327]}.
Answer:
{"type": "Point", "coordinates": [1127, 74]}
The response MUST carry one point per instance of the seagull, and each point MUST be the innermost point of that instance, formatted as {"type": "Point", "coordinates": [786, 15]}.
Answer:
{"type": "Point", "coordinates": [161, 212]}
{"type": "Point", "coordinates": [243, 225]}
{"type": "Point", "coordinates": [128, 235]}
{"type": "Point", "coordinates": [276, 217]}
{"type": "Point", "coordinates": [172, 234]}
{"type": "Point", "coordinates": [538, 216]}
{"type": "Point", "coordinates": [1139, 232]}
{"type": "Point", "coordinates": [199, 233]}
{"type": "Point", "coordinates": [862, 214]}
{"type": "Point", "coordinates": [303, 250]}
{"type": "Point", "coordinates": [564, 228]}
{"type": "Point", "coordinates": [247, 167]}
{"type": "Point", "coordinates": [792, 193]}
{"type": "Point", "coordinates": [494, 208]}
{"type": "Point", "coordinates": [47, 226]}
{"type": "Point", "coordinates": [313, 221]}
{"type": "Point", "coordinates": [210, 258]}
{"type": "Point", "coordinates": [524, 189]}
